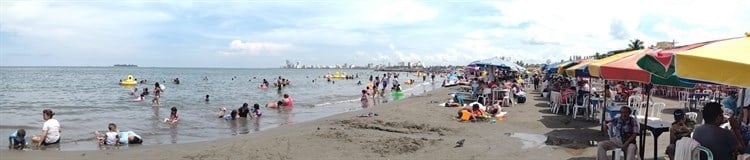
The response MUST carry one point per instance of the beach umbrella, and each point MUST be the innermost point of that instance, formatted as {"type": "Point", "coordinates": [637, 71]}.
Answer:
{"type": "Point", "coordinates": [577, 70]}
{"type": "Point", "coordinates": [595, 67]}
{"type": "Point", "coordinates": [561, 69]}
{"type": "Point", "coordinates": [661, 63]}
{"type": "Point", "coordinates": [626, 69]}
{"type": "Point", "coordinates": [558, 67]}
{"type": "Point", "coordinates": [725, 62]}
{"type": "Point", "coordinates": [498, 62]}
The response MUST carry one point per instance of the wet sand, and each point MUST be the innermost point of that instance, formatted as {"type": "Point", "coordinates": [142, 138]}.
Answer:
{"type": "Point", "coordinates": [413, 128]}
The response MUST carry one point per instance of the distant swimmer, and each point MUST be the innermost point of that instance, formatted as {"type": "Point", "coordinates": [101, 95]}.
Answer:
{"type": "Point", "coordinates": [359, 82]}
{"type": "Point", "coordinates": [141, 97]}
{"type": "Point", "coordinates": [205, 78]}
{"type": "Point", "coordinates": [176, 81]}
{"type": "Point", "coordinates": [207, 98]}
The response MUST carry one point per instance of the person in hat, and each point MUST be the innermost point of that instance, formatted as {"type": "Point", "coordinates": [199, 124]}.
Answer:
{"type": "Point", "coordinates": [678, 130]}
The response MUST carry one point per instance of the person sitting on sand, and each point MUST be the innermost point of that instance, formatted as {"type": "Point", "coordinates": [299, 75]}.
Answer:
{"type": "Point", "coordinates": [172, 116]}
{"type": "Point", "coordinates": [453, 102]}
{"type": "Point", "coordinates": [110, 137]}
{"type": "Point", "coordinates": [274, 104]}
{"type": "Point", "coordinates": [495, 109]}
{"type": "Point", "coordinates": [50, 131]}
{"type": "Point", "coordinates": [476, 111]}
{"type": "Point", "coordinates": [129, 137]}
{"type": "Point", "coordinates": [17, 140]}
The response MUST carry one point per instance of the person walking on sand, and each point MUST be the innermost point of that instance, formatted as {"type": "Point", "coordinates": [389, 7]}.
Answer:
{"type": "Point", "coordinates": [50, 131]}
{"type": "Point", "coordinates": [157, 93]}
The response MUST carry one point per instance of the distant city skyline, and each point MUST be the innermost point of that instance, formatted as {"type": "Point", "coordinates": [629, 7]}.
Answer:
{"type": "Point", "coordinates": [264, 34]}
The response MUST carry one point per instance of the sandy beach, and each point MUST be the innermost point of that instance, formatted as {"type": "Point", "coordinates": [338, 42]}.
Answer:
{"type": "Point", "coordinates": [413, 128]}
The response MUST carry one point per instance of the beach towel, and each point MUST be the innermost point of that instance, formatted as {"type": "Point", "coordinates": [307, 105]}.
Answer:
{"type": "Point", "coordinates": [684, 149]}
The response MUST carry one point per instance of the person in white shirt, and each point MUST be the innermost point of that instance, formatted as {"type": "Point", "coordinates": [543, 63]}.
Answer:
{"type": "Point", "coordinates": [50, 131]}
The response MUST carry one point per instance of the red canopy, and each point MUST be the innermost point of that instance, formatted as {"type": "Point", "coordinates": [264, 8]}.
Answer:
{"type": "Point", "coordinates": [626, 69]}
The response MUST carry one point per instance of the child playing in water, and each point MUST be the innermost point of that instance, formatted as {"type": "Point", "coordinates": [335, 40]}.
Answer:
{"type": "Point", "coordinates": [110, 137]}
{"type": "Point", "coordinates": [364, 99]}
{"type": "Point", "coordinates": [256, 111]}
{"type": "Point", "coordinates": [274, 104]}
{"type": "Point", "coordinates": [17, 140]}
{"type": "Point", "coordinates": [172, 117]}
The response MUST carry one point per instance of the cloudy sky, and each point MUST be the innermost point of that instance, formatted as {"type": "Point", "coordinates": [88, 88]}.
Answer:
{"type": "Point", "coordinates": [264, 34]}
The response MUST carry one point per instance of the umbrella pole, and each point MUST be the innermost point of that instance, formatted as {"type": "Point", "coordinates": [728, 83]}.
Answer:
{"type": "Point", "coordinates": [645, 121]}
{"type": "Point", "coordinates": [604, 107]}
{"type": "Point", "coordinates": [742, 102]}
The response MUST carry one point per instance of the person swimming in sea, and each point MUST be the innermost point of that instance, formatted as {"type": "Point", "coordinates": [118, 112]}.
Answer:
{"type": "Point", "coordinates": [274, 104]}
{"type": "Point", "coordinates": [207, 98]}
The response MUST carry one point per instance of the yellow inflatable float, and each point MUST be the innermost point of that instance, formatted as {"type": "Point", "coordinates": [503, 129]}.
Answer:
{"type": "Point", "coordinates": [338, 75]}
{"type": "Point", "coordinates": [129, 81]}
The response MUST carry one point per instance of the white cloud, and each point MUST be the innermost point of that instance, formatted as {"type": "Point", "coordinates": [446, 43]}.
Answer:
{"type": "Point", "coordinates": [238, 47]}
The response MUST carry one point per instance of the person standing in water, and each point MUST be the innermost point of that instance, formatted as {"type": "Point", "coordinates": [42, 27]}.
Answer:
{"type": "Point", "coordinates": [157, 93]}
{"type": "Point", "coordinates": [364, 99]}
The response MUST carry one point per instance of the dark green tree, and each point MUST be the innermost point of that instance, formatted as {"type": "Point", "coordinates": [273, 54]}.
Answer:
{"type": "Point", "coordinates": [635, 44]}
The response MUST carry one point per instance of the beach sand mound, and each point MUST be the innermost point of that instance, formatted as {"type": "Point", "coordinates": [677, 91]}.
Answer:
{"type": "Point", "coordinates": [384, 137]}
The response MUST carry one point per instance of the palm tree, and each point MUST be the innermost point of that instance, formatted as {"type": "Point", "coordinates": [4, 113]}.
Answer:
{"type": "Point", "coordinates": [635, 44]}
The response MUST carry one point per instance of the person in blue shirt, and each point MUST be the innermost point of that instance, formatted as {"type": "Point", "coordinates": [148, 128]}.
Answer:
{"type": "Point", "coordinates": [17, 140]}
{"type": "Point", "coordinates": [730, 102]}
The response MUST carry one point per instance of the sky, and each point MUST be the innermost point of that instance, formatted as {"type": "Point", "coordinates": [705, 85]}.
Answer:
{"type": "Point", "coordinates": [263, 34]}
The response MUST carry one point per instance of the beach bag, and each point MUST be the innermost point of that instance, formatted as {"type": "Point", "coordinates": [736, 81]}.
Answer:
{"type": "Point", "coordinates": [521, 99]}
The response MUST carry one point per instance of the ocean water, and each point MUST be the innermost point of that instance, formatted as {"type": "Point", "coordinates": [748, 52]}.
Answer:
{"type": "Point", "coordinates": [86, 99]}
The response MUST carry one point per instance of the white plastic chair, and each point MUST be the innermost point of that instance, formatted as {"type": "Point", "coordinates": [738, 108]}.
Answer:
{"type": "Point", "coordinates": [555, 100]}
{"type": "Point", "coordinates": [656, 110]}
{"type": "Point", "coordinates": [583, 106]}
{"type": "Point", "coordinates": [692, 116]}
{"type": "Point", "coordinates": [683, 99]}
{"type": "Point", "coordinates": [508, 98]}
{"type": "Point", "coordinates": [570, 103]}
{"type": "Point", "coordinates": [635, 103]}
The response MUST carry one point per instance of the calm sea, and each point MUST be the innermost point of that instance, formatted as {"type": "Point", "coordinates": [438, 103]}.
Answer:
{"type": "Point", "coordinates": [86, 99]}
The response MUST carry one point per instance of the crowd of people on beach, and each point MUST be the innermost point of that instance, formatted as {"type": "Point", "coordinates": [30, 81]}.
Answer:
{"type": "Point", "coordinates": [51, 131]}
{"type": "Point", "coordinates": [487, 104]}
